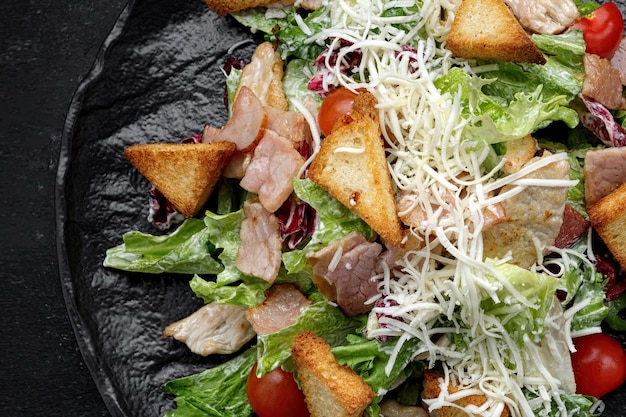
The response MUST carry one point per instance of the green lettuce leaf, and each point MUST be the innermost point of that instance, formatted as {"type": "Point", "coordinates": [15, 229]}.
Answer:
{"type": "Point", "coordinates": [297, 75]}
{"type": "Point", "coordinates": [520, 321]}
{"type": "Point", "coordinates": [576, 404]}
{"type": "Point", "coordinates": [216, 392]}
{"type": "Point", "coordinates": [514, 100]}
{"type": "Point", "coordinates": [323, 319]}
{"type": "Point", "coordinates": [335, 221]}
{"type": "Point", "coordinates": [614, 308]}
{"type": "Point", "coordinates": [292, 40]}
{"type": "Point", "coordinates": [581, 284]}
{"type": "Point", "coordinates": [188, 250]}
{"type": "Point", "coordinates": [369, 359]}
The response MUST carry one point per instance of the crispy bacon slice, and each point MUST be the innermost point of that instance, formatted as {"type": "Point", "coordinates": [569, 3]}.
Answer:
{"type": "Point", "coordinates": [245, 127]}
{"type": "Point", "coordinates": [270, 174]}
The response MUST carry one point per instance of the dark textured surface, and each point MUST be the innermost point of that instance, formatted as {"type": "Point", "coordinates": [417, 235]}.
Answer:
{"type": "Point", "coordinates": [159, 80]}
{"type": "Point", "coordinates": [45, 49]}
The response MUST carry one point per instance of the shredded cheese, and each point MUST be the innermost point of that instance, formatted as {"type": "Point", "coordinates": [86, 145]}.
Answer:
{"type": "Point", "coordinates": [438, 289]}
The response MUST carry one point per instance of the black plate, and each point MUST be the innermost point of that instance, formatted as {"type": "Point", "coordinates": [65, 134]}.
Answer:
{"type": "Point", "coordinates": [157, 78]}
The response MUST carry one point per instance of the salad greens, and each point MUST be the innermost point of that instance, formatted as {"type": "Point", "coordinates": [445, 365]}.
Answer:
{"type": "Point", "coordinates": [496, 103]}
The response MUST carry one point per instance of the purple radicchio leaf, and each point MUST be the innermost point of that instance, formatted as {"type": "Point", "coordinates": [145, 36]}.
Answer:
{"type": "Point", "coordinates": [601, 122]}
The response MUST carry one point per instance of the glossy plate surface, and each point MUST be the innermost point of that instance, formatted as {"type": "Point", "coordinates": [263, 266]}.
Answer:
{"type": "Point", "coordinates": [157, 78]}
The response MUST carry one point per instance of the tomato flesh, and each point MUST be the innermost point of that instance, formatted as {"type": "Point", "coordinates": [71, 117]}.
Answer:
{"type": "Point", "coordinates": [599, 364]}
{"type": "Point", "coordinates": [275, 394]}
{"type": "Point", "coordinates": [602, 30]}
{"type": "Point", "coordinates": [336, 104]}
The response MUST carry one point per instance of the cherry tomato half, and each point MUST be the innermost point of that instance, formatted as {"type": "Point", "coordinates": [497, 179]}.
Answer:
{"type": "Point", "coordinates": [599, 364]}
{"type": "Point", "coordinates": [336, 104]}
{"type": "Point", "coordinates": [602, 30]}
{"type": "Point", "coordinates": [276, 394]}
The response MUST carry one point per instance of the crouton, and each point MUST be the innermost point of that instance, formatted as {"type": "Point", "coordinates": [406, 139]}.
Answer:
{"type": "Point", "coordinates": [487, 29]}
{"type": "Point", "coordinates": [608, 218]}
{"type": "Point", "coordinates": [330, 389]}
{"type": "Point", "coordinates": [184, 173]}
{"type": "Point", "coordinates": [432, 389]}
{"type": "Point", "coordinates": [352, 167]}
{"type": "Point", "coordinates": [224, 7]}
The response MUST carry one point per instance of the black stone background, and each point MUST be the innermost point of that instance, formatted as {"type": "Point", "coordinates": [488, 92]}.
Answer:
{"type": "Point", "coordinates": [46, 47]}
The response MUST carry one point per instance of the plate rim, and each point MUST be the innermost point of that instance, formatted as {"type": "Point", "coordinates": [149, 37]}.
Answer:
{"type": "Point", "coordinates": [83, 338]}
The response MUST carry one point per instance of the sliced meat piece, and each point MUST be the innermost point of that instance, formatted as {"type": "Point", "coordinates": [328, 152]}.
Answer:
{"type": "Point", "coordinates": [534, 218]}
{"type": "Point", "coordinates": [273, 167]}
{"type": "Point", "coordinates": [544, 16]}
{"type": "Point", "coordinates": [605, 171]}
{"type": "Point", "coordinates": [247, 123]}
{"type": "Point", "coordinates": [214, 328]}
{"type": "Point", "coordinates": [264, 76]}
{"type": "Point", "coordinates": [343, 272]}
{"type": "Point", "coordinates": [603, 83]}
{"type": "Point", "coordinates": [238, 164]}
{"type": "Point", "coordinates": [492, 215]}
{"type": "Point", "coordinates": [280, 309]}
{"type": "Point", "coordinates": [259, 253]}
{"type": "Point", "coordinates": [413, 214]}
{"type": "Point", "coordinates": [574, 226]}
{"type": "Point", "coordinates": [210, 133]}
{"type": "Point", "coordinates": [618, 60]}
{"type": "Point", "coordinates": [288, 124]}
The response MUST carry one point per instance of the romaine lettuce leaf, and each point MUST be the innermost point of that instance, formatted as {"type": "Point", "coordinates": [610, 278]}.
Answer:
{"type": "Point", "coordinates": [517, 99]}
{"type": "Point", "coordinates": [522, 321]}
{"type": "Point", "coordinates": [576, 404]}
{"type": "Point", "coordinates": [335, 222]}
{"type": "Point", "coordinates": [187, 250]}
{"type": "Point", "coordinates": [582, 283]}
{"type": "Point", "coordinates": [216, 392]}
{"type": "Point", "coordinates": [284, 28]}
{"type": "Point", "coordinates": [322, 318]}
{"type": "Point", "coordinates": [369, 359]}
{"type": "Point", "coordinates": [298, 72]}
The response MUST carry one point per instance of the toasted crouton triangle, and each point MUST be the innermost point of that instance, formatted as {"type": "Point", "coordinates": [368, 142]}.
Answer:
{"type": "Point", "coordinates": [608, 218]}
{"type": "Point", "coordinates": [487, 29]}
{"type": "Point", "coordinates": [329, 388]}
{"type": "Point", "coordinates": [352, 167]}
{"type": "Point", "coordinates": [184, 173]}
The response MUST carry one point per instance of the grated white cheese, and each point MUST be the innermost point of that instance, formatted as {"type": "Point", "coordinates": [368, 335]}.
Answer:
{"type": "Point", "coordinates": [439, 286]}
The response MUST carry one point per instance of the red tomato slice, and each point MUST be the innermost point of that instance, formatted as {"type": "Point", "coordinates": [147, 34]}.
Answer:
{"type": "Point", "coordinates": [336, 104]}
{"type": "Point", "coordinates": [599, 364]}
{"type": "Point", "coordinates": [276, 394]}
{"type": "Point", "coordinates": [602, 30]}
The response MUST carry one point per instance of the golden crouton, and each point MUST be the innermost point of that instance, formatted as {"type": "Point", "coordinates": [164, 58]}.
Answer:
{"type": "Point", "coordinates": [223, 7]}
{"type": "Point", "coordinates": [352, 167]}
{"type": "Point", "coordinates": [608, 218]}
{"type": "Point", "coordinates": [432, 390]}
{"type": "Point", "coordinates": [184, 173]}
{"type": "Point", "coordinates": [330, 389]}
{"type": "Point", "coordinates": [487, 29]}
